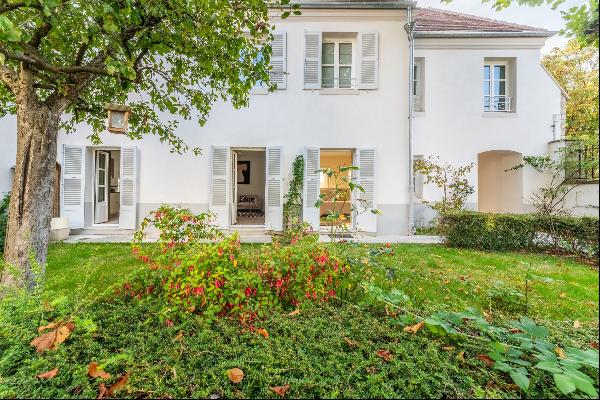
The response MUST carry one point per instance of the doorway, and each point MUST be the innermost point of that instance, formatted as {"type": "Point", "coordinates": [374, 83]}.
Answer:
{"type": "Point", "coordinates": [248, 186]}
{"type": "Point", "coordinates": [336, 208]}
{"type": "Point", "coordinates": [107, 205]}
{"type": "Point", "coordinates": [500, 186]}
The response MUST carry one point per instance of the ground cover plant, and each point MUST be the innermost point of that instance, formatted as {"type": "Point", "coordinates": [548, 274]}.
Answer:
{"type": "Point", "coordinates": [404, 321]}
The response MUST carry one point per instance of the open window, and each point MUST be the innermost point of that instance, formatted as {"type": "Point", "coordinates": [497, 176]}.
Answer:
{"type": "Point", "coordinates": [107, 191]}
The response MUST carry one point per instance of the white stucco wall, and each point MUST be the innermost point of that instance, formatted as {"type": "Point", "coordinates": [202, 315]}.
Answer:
{"type": "Point", "coordinates": [8, 151]}
{"type": "Point", "coordinates": [453, 124]}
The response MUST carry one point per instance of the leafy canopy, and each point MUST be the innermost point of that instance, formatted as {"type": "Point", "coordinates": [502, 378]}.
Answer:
{"type": "Point", "coordinates": [163, 58]}
{"type": "Point", "coordinates": [581, 22]}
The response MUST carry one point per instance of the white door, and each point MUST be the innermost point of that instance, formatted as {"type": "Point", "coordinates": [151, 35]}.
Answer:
{"type": "Point", "coordinates": [234, 187]}
{"type": "Point", "coordinates": [312, 187]}
{"type": "Point", "coordinates": [73, 181]}
{"type": "Point", "coordinates": [128, 196]}
{"type": "Point", "coordinates": [219, 184]}
{"type": "Point", "coordinates": [101, 192]}
{"type": "Point", "coordinates": [273, 189]}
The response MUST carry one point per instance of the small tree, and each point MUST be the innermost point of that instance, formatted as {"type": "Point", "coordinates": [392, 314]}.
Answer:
{"type": "Point", "coordinates": [61, 61]}
{"type": "Point", "coordinates": [451, 180]}
{"type": "Point", "coordinates": [567, 171]}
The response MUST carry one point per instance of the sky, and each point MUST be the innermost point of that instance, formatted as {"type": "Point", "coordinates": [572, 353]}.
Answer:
{"type": "Point", "coordinates": [539, 17]}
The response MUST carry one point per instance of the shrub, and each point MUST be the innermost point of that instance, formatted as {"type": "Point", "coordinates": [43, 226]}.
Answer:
{"type": "Point", "coordinates": [502, 232]}
{"type": "Point", "coordinates": [3, 219]}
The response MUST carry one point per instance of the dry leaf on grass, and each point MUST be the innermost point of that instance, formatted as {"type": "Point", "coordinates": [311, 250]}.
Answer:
{"type": "Point", "coordinates": [448, 348]}
{"type": "Point", "coordinates": [486, 359]}
{"type": "Point", "coordinates": [103, 392]}
{"type": "Point", "coordinates": [560, 352]}
{"type": "Point", "coordinates": [235, 375]}
{"type": "Point", "coordinates": [179, 337]}
{"type": "Point", "coordinates": [280, 390]}
{"type": "Point", "coordinates": [48, 375]}
{"type": "Point", "coordinates": [350, 342]}
{"type": "Point", "coordinates": [461, 357]}
{"type": "Point", "coordinates": [263, 332]}
{"type": "Point", "coordinates": [295, 312]}
{"type": "Point", "coordinates": [562, 295]}
{"type": "Point", "coordinates": [50, 340]}
{"type": "Point", "coordinates": [51, 325]}
{"type": "Point", "coordinates": [414, 328]}
{"type": "Point", "coordinates": [576, 324]}
{"type": "Point", "coordinates": [385, 354]}
{"type": "Point", "coordinates": [95, 372]}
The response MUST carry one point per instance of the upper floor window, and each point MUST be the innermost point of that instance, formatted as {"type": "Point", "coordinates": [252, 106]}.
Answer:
{"type": "Point", "coordinates": [337, 64]}
{"type": "Point", "coordinates": [496, 87]}
{"type": "Point", "coordinates": [418, 84]}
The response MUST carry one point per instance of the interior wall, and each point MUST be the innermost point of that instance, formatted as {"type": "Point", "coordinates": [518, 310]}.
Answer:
{"type": "Point", "coordinates": [257, 174]}
{"type": "Point", "coordinates": [114, 204]}
{"type": "Point", "coordinates": [500, 190]}
{"type": "Point", "coordinates": [334, 159]}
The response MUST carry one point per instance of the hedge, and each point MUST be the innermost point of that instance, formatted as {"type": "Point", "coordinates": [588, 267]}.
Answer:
{"type": "Point", "coordinates": [503, 232]}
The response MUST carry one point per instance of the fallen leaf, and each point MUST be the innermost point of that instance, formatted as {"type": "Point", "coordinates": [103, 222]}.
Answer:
{"type": "Point", "coordinates": [371, 370]}
{"type": "Point", "coordinates": [51, 325]}
{"type": "Point", "coordinates": [95, 372]}
{"type": "Point", "coordinates": [515, 330]}
{"type": "Point", "coordinates": [385, 354]}
{"type": "Point", "coordinates": [179, 337]}
{"type": "Point", "coordinates": [118, 385]}
{"type": "Point", "coordinates": [50, 340]}
{"type": "Point", "coordinates": [448, 348]}
{"type": "Point", "coordinates": [576, 324]}
{"type": "Point", "coordinates": [461, 357]}
{"type": "Point", "coordinates": [280, 390]}
{"type": "Point", "coordinates": [594, 345]}
{"type": "Point", "coordinates": [101, 391]}
{"type": "Point", "coordinates": [235, 375]}
{"type": "Point", "coordinates": [44, 342]}
{"type": "Point", "coordinates": [486, 359]}
{"type": "Point", "coordinates": [350, 342]}
{"type": "Point", "coordinates": [560, 352]}
{"type": "Point", "coordinates": [414, 328]}
{"type": "Point", "coordinates": [48, 375]}
{"type": "Point", "coordinates": [263, 332]}
{"type": "Point", "coordinates": [295, 312]}
{"type": "Point", "coordinates": [562, 295]}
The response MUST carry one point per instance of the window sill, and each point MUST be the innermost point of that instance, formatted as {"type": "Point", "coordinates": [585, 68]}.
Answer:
{"type": "Point", "coordinates": [491, 114]}
{"type": "Point", "coordinates": [328, 92]}
{"type": "Point", "coordinates": [259, 91]}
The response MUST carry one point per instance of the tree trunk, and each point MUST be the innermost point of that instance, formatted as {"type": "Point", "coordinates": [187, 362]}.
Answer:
{"type": "Point", "coordinates": [30, 209]}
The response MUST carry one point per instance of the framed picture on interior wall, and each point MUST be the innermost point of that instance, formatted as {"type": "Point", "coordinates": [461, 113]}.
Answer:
{"type": "Point", "coordinates": [243, 172]}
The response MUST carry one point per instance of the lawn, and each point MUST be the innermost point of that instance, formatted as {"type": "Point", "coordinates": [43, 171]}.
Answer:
{"type": "Point", "coordinates": [324, 351]}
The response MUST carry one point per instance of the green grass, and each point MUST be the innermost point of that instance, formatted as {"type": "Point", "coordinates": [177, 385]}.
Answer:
{"type": "Point", "coordinates": [325, 351]}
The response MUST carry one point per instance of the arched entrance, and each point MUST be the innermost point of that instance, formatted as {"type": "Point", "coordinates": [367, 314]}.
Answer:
{"type": "Point", "coordinates": [500, 189]}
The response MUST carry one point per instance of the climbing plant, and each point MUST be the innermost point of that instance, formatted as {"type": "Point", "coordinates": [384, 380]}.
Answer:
{"type": "Point", "coordinates": [292, 207]}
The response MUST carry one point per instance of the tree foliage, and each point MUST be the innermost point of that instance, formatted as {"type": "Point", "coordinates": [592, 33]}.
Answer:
{"type": "Point", "coordinates": [576, 70]}
{"type": "Point", "coordinates": [581, 22]}
{"type": "Point", "coordinates": [163, 58]}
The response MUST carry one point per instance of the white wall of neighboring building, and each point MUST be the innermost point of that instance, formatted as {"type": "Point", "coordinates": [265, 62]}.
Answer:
{"type": "Point", "coordinates": [8, 151]}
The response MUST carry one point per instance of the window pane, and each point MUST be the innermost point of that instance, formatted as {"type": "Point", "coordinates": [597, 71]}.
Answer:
{"type": "Point", "coordinates": [328, 53]}
{"type": "Point", "coordinates": [117, 119]}
{"type": "Point", "coordinates": [101, 195]}
{"type": "Point", "coordinates": [101, 178]}
{"type": "Point", "coordinates": [327, 77]}
{"type": "Point", "coordinates": [486, 88]}
{"type": "Point", "coordinates": [486, 72]}
{"type": "Point", "coordinates": [345, 77]}
{"type": "Point", "coordinates": [499, 72]}
{"type": "Point", "coordinates": [499, 88]}
{"type": "Point", "coordinates": [345, 53]}
{"type": "Point", "coordinates": [102, 162]}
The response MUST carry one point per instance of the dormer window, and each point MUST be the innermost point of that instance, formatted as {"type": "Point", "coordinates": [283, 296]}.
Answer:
{"type": "Point", "coordinates": [118, 116]}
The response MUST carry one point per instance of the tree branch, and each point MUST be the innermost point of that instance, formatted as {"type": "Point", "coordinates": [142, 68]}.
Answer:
{"type": "Point", "coordinates": [9, 78]}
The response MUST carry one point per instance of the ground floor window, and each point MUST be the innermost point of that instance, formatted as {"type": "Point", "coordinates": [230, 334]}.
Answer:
{"type": "Point", "coordinates": [336, 208]}
{"type": "Point", "coordinates": [248, 186]}
{"type": "Point", "coordinates": [107, 204]}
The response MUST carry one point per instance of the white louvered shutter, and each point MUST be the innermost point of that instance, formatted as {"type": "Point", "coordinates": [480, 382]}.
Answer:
{"type": "Point", "coordinates": [368, 49]}
{"type": "Point", "coordinates": [72, 185]}
{"type": "Point", "coordinates": [274, 189]}
{"type": "Point", "coordinates": [278, 71]}
{"type": "Point", "coordinates": [312, 60]}
{"type": "Point", "coordinates": [367, 221]}
{"type": "Point", "coordinates": [128, 209]}
{"type": "Point", "coordinates": [219, 184]}
{"type": "Point", "coordinates": [312, 164]}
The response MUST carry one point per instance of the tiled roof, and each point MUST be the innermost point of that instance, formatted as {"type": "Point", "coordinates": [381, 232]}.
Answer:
{"type": "Point", "coordinates": [365, 4]}
{"type": "Point", "coordinates": [434, 20]}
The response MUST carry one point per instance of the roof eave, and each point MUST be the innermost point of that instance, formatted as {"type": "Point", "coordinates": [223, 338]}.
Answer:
{"type": "Point", "coordinates": [471, 34]}
{"type": "Point", "coordinates": [356, 5]}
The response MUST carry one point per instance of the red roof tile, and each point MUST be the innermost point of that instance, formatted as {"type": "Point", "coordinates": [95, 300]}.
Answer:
{"type": "Point", "coordinates": [434, 20]}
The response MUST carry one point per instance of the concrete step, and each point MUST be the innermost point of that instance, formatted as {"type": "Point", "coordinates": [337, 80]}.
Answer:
{"type": "Point", "coordinates": [100, 230]}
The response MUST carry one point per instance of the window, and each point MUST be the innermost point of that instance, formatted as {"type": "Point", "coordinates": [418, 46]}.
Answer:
{"type": "Point", "coordinates": [418, 85]}
{"type": "Point", "coordinates": [418, 179]}
{"type": "Point", "coordinates": [336, 67]}
{"type": "Point", "coordinates": [118, 116]}
{"type": "Point", "coordinates": [496, 97]}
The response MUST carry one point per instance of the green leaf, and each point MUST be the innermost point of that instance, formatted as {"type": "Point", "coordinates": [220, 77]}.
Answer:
{"type": "Point", "coordinates": [520, 379]}
{"type": "Point", "coordinates": [564, 383]}
{"type": "Point", "coordinates": [549, 366]}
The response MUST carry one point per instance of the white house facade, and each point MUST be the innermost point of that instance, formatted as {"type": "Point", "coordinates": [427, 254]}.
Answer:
{"type": "Point", "coordinates": [356, 86]}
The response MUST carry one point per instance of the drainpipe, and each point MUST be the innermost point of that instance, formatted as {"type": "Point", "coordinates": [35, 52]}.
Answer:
{"type": "Point", "coordinates": [409, 28]}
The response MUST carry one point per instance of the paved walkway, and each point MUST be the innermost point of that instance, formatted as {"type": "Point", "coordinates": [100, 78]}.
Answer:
{"type": "Point", "coordinates": [262, 238]}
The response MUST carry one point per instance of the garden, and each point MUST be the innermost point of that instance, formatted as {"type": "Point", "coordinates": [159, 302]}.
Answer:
{"type": "Point", "coordinates": [200, 315]}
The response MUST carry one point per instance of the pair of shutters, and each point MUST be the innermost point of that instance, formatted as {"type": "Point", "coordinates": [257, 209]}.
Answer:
{"type": "Point", "coordinates": [73, 186]}
{"type": "Point", "coordinates": [220, 201]}
{"type": "Point", "coordinates": [364, 176]}
{"type": "Point", "coordinates": [368, 60]}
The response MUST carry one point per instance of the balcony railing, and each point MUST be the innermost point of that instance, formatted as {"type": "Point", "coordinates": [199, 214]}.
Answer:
{"type": "Point", "coordinates": [338, 83]}
{"type": "Point", "coordinates": [497, 104]}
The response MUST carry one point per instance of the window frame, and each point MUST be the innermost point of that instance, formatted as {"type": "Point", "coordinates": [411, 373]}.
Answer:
{"type": "Point", "coordinates": [336, 63]}
{"type": "Point", "coordinates": [418, 84]}
{"type": "Point", "coordinates": [491, 106]}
